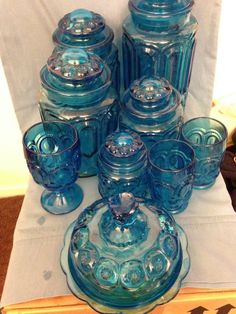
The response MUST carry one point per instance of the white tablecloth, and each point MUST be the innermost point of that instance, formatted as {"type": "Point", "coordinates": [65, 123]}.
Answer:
{"type": "Point", "coordinates": [34, 270]}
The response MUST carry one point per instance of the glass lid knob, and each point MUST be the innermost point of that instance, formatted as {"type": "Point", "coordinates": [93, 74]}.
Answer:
{"type": "Point", "coordinates": [74, 64]}
{"type": "Point", "coordinates": [149, 90]}
{"type": "Point", "coordinates": [81, 22]}
{"type": "Point", "coordinates": [122, 206]}
{"type": "Point", "coordinates": [123, 144]}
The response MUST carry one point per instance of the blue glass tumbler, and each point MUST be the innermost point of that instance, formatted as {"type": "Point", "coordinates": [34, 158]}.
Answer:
{"type": "Point", "coordinates": [85, 29]}
{"type": "Point", "coordinates": [159, 38]}
{"type": "Point", "coordinates": [122, 164]}
{"type": "Point", "coordinates": [52, 153]}
{"type": "Point", "coordinates": [208, 138]}
{"type": "Point", "coordinates": [171, 174]}
{"type": "Point", "coordinates": [152, 108]}
{"type": "Point", "coordinates": [76, 88]}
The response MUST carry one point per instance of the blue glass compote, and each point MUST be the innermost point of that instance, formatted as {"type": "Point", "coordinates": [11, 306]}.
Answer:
{"type": "Point", "coordinates": [125, 255]}
{"type": "Point", "coordinates": [52, 154]}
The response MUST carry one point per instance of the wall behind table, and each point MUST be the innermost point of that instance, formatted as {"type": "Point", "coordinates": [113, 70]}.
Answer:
{"type": "Point", "coordinates": [26, 27]}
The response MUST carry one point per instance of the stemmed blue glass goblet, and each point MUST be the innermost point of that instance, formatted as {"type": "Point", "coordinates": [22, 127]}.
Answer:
{"type": "Point", "coordinates": [52, 153]}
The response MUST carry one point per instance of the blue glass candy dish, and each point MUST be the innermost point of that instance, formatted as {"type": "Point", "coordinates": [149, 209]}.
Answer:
{"type": "Point", "coordinates": [152, 107]}
{"type": "Point", "coordinates": [76, 87]}
{"type": "Point", "coordinates": [122, 164]}
{"type": "Point", "coordinates": [53, 157]}
{"type": "Point", "coordinates": [125, 255]}
{"type": "Point", "coordinates": [85, 29]}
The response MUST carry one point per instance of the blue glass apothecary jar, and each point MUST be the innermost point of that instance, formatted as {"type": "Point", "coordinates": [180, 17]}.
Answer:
{"type": "Point", "coordinates": [159, 38]}
{"type": "Point", "coordinates": [152, 108]}
{"type": "Point", "coordinates": [76, 87]}
{"type": "Point", "coordinates": [85, 29]}
{"type": "Point", "coordinates": [125, 255]}
{"type": "Point", "coordinates": [122, 164]}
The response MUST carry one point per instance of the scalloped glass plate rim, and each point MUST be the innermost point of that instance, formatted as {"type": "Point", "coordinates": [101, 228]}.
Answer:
{"type": "Point", "coordinates": [169, 295]}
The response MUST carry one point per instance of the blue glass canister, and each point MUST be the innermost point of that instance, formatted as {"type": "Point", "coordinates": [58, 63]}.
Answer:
{"type": "Point", "coordinates": [76, 87]}
{"type": "Point", "coordinates": [159, 38]}
{"type": "Point", "coordinates": [152, 108]}
{"type": "Point", "coordinates": [122, 164]}
{"type": "Point", "coordinates": [85, 29]}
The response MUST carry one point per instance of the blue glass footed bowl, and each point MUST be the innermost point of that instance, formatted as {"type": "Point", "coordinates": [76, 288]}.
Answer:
{"type": "Point", "coordinates": [122, 164]}
{"type": "Point", "coordinates": [76, 87]}
{"type": "Point", "coordinates": [159, 38]}
{"type": "Point", "coordinates": [152, 108]}
{"type": "Point", "coordinates": [125, 255]}
{"type": "Point", "coordinates": [85, 29]}
{"type": "Point", "coordinates": [53, 157]}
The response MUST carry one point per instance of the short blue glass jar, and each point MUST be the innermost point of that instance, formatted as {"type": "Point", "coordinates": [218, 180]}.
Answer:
{"type": "Point", "coordinates": [159, 38]}
{"type": "Point", "coordinates": [85, 29]}
{"type": "Point", "coordinates": [76, 87]}
{"type": "Point", "coordinates": [122, 164]}
{"type": "Point", "coordinates": [152, 108]}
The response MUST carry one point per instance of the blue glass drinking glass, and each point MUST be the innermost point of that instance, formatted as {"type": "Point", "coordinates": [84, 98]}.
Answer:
{"type": "Point", "coordinates": [85, 29]}
{"type": "Point", "coordinates": [159, 38]}
{"type": "Point", "coordinates": [207, 136]}
{"type": "Point", "coordinates": [171, 174]}
{"type": "Point", "coordinates": [122, 164]}
{"type": "Point", "coordinates": [52, 153]}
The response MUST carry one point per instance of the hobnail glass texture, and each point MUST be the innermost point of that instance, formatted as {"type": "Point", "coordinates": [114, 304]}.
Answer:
{"type": "Point", "coordinates": [86, 29]}
{"type": "Point", "coordinates": [53, 157]}
{"type": "Point", "coordinates": [76, 87]}
{"type": "Point", "coordinates": [125, 255]}
{"type": "Point", "coordinates": [207, 137]}
{"type": "Point", "coordinates": [152, 108]}
{"type": "Point", "coordinates": [159, 38]}
{"type": "Point", "coordinates": [171, 174]}
{"type": "Point", "coordinates": [122, 164]}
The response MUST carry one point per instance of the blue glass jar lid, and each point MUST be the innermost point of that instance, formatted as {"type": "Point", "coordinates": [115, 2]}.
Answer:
{"type": "Point", "coordinates": [151, 99]}
{"type": "Point", "coordinates": [151, 90]}
{"type": "Point", "coordinates": [124, 253]}
{"type": "Point", "coordinates": [81, 22]}
{"type": "Point", "coordinates": [164, 8]}
{"type": "Point", "coordinates": [74, 64]}
{"type": "Point", "coordinates": [123, 144]}
{"type": "Point", "coordinates": [85, 29]}
{"type": "Point", "coordinates": [123, 152]}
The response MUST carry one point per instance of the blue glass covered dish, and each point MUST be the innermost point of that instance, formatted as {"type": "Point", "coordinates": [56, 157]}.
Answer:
{"type": "Point", "coordinates": [124, 254]}
{"type": "Point", "coordinates": [86, 29]}
{"type": "Point", "coordinates": [152, 107]}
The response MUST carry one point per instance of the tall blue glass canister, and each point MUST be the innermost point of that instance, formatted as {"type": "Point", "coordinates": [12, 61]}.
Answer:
{"type": "Point", "coordinates": [122, 164]}
{"type": "Point", "coordinates": [152, 108]}
{"type": "Point", "coordinates": [85, 29]}
{"type": "Point", "coordinates": [76, 87]}
{"type": "Point", "coordinates": [159, 38]}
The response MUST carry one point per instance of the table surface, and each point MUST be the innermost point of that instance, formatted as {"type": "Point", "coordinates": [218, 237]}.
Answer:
{"type": "Point", "coordinates": [34, 270]}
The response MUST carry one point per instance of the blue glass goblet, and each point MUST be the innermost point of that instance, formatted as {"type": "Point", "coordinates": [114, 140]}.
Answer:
{"type": "Point", "coordinates": [52, 154]}
{"type": "Point", "coordinates": [207, 136]}
{"type": "Point", "coordinates": [171, 174]}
